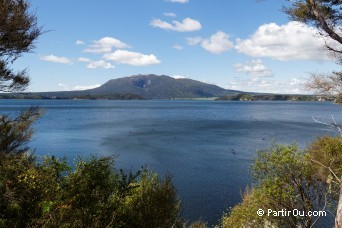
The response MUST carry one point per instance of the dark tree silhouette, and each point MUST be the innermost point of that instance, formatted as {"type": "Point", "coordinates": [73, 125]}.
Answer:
{"type": "Point", "coordinates": [18, 33]}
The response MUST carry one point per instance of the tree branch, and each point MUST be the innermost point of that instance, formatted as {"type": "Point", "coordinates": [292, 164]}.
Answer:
{"type": "Point", "coordinates": [330, 170]}
{"type": "Point", "coordinates": [323, 209]}
{"type": "Point", "coordinates": [332, 125]}
{"type": "Point", "coordinates": [324, 25]}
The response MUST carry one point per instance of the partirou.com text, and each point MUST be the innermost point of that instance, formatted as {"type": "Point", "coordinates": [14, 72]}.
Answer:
{"type": "Point", "coordinates": [294, 212]}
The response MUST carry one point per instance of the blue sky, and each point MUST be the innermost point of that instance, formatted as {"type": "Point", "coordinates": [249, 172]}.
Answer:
{"type": "Point", "coordinates": [248, 45]}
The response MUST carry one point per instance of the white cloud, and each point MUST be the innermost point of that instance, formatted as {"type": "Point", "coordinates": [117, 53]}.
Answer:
{"type": "Point", "coordinates": [105, 45]}
{"type": "Point", "coordinates": [178, 47]}
{"type": "Point", "coordinates": [82, 87]}
{"type": "Point", "coordinates": [178, 1]}
{"type": "Point", "coordinates": [100, 64]}
{"type": "Point", "coordinates": [96, 64]}
{"type": "Point", "coordinates": [132, 58]}
{"type": "Point", "coordinates": [262, 85]}
{"type": "Point", "coordinates": [56, 59]}
{"type": "Point", "coordinates": [292, 41]}
{"type": "Point", "coordinates": [170, 15]}
{"type": "Point", "coordinates": [81, 59]}
{"type": "Point", "coordinates": [77, 87]}
{"type": "Point", "coordinates": [254, 68]}
{"type": "Point", "coordinates": [194, 40]}
{"type": "Point", "coordinates": [216, 44]}
{"type": "Point", "coordinates": [179, 76]}
{"type": "Point", "coordinates": [64, 86]}
{"type": "Point", "coordinates": [79, 42]}
{"type": "Point", "coordinates": [187, 25]}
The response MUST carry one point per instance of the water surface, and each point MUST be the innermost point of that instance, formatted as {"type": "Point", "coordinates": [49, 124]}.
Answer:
{"type": "Point", "coordinates": [207, 146]}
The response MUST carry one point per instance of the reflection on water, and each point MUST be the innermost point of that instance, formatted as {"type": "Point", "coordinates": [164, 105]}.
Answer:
{"type": "Point", "coordinates": [207, 146]}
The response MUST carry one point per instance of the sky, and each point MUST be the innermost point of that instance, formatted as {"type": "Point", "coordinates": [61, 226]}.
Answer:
{"type": "Point", "coordinates": [248, 45]}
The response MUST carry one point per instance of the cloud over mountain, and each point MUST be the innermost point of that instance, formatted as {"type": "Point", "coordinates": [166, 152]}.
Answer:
{"type": "Point", "coordinates": [131, 58]}
{"type": "Point", "coordinates": [77, 87]}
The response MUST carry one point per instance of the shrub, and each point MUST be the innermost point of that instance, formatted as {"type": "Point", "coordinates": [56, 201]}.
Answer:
{"type": "Point", "coordinates": [285, 181]}
{"type": "Point", "coordinates": [94, 194]}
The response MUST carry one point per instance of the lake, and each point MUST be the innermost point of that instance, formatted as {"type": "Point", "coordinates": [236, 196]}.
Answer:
{"type": "Point", "coordinates": [208, 146]}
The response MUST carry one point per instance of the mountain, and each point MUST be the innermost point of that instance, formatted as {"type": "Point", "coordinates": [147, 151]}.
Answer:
{"type": "Point", "coordinates": [162, 87]}
{"type": "Point", "coordinates": [139, 87]}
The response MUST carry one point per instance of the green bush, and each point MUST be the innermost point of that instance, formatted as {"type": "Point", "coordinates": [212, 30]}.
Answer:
{"type": "Point", "coordinates": [325, 154]}
{"type": "Point", "coordinates": [94, 194]}
{"type": "Point", "coordinates": [152, 202]}
{"type": "Point", "coordinates": [286, 180]}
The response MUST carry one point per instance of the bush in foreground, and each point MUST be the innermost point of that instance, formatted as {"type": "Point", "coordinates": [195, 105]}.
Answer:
{"type": "Point", "coordinates": [94, 194]}
{"type": "Point", "coordinates": [290, 179]}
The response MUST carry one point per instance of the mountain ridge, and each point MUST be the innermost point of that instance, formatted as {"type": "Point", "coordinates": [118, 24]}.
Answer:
{"type": "Point", "coordinates": [153, 86]}
{"type": "Point", "coordinates": [141, 86]}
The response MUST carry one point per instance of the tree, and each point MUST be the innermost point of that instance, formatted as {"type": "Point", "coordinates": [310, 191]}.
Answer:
{"type": "Point", "coordinates": [94, 194]}
{"type": "Point", "coordinates": [153, 202]}
{"type": "Point", "coordinates": [326, 16]}
{"type": "Point", "coordinates": [287, 180]}
{"type": "Point", "coordinates": [18, 32]}
{"type": "Point", "coordinates": [329, 84]}
{"type": "Point", "coordinates": [15, 133]}
{"type": "Point", "coordinates": [325, 154]}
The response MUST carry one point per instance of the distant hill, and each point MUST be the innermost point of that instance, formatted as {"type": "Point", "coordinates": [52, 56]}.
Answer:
{"type": "Point", "coordinates": [138, 87]}
{"type": "Point", "coordinates": [162, 87]}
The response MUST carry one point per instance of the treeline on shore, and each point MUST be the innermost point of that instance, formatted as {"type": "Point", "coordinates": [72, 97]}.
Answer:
{"type": "Point", "coordinates": [279, 97]}
{"type": "Point", "coordinates": [114, 96]}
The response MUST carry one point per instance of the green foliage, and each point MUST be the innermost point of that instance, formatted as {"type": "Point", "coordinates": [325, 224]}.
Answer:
{"type": "Point", "coordinates": [338, 99]}
{"type": "Point", "coordinates": [302, 11]}
{"type": "Point", "coordinates": [15, 199]}
{"type": "Point", "coordinates": [88, 195]}
{"type": "Point", "coordinates": [285, 180]}
{"type": "Point", "coordinates": [245, 97]}
{"type": "Point", "coordinates": [271, 97]}
{"type": "Point", "coordinates": [18, 32]}
{"type": "Point", "coordinates": [94, 194]}
{"type": "Point", "coordinates": [16, 133]}
{"type": "Point", "coordinates": [323, 14]}
{"type": "Point", "coordinates": [325, 155]}
{"type": "Point", "coordinates": [153, 202]}
{"type": "Point", "coordinates": [198, 224]}
{"type": "Point", "coordinates": [244, 214]}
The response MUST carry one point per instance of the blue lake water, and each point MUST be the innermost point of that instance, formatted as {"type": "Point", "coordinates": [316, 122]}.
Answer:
{"type": "Point", "coordinates": [208, 146]}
